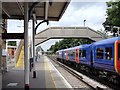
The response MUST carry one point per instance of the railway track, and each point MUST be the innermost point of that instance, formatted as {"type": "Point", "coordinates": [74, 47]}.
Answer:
{"type": "Point", "coordinates": [88, 81]}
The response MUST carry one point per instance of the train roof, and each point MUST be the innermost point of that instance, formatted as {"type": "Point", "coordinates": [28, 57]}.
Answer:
{"type": "Point", "coordinates": [106, 41]}
{"type": "Point", "coordinates": [80, 46]}
{"type": "Point", "coordinates": [59, 50]}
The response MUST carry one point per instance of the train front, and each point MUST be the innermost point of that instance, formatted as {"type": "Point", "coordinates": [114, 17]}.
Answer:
{"type": "Point", "coordinates": [117, 56]}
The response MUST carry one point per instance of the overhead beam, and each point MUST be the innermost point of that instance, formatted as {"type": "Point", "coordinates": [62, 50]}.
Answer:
{"type": "Point", "coordinates": [20, 7]}
{"type": "Point", "coordinates": [6, 12]}
{"type": "Point", "coordinates": [40, 41]}
{"type": "Point", "coordinates": [21, 17]}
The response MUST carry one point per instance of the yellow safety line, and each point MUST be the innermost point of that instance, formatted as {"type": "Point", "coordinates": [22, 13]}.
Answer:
{"type": "Point", "coordinates": [48, 67]}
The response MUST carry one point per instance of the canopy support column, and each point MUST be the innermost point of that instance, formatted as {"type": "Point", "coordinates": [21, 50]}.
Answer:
{"type": "Point", "coordinates": [34, 71]}
{"type": "Point", "coordinates": [26, 60]}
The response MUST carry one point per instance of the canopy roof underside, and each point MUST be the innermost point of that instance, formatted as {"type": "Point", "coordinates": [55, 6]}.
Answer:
{"type": "Point", "coordinates": [15, 10]}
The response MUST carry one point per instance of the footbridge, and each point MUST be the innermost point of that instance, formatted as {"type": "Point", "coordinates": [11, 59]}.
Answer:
{"type": "Point", "coordinates": [67, 32]}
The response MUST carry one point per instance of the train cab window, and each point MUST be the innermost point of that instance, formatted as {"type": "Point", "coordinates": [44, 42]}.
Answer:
{"type": "Point", "coordinates": [108, 53]}
{"type": "Point", "coordinates": [119, 51]}
{"type": "Point", "coordinates": [100, 53]}
{"type": "Point", "coordinates": [83, 53]}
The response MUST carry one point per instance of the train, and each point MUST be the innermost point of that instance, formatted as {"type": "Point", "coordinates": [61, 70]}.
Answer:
{"type": "Point", "coordinates": [101, 58]}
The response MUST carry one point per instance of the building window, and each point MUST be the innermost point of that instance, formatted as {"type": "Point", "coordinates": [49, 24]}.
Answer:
{"type": "Point", "coordinates": [100, 53]}
{"type": "Point", "coordinates": [108, 53]}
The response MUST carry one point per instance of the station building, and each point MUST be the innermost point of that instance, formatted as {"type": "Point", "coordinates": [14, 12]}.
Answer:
{"type": "Point", "coordinates": [3, 29]}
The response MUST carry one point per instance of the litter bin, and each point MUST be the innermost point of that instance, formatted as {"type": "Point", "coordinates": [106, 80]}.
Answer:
{"type": "Point", "coordinates": [31, 64]}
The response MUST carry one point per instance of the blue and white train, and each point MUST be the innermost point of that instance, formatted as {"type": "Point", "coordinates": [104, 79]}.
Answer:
{"type": "Point", "coordinates": [102, 56]}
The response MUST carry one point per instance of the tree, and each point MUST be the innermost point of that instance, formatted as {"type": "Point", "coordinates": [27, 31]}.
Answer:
{"type": "Point", "coordinates": [12, 43]}
{"type": "Point", "coordinates": [113, 16]}
{"type": "Point", "coordinates": [67, 43]}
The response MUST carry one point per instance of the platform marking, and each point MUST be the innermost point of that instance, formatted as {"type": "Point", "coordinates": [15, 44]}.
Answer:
{"type": "Point", "coordinates": [48, 68]}
{"type": "Point", "coordinates": [12, 84]}
{"type": "Point", "coordinates": [65, 81]}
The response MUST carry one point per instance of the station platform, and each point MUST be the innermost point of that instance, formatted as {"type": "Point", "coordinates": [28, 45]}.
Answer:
{"type": "Point", "coordinates": [48, 77]}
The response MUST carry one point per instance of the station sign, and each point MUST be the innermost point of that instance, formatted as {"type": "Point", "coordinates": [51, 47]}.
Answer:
{"type": "Point", "coordinates": [12, 35]}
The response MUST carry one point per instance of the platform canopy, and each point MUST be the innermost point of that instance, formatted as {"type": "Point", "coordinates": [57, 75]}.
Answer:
{"type": "Point", "coordinates": [53, 10]}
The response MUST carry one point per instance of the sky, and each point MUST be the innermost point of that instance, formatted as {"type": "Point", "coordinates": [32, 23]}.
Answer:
{"type": "Point", "coordinates": [93, 12]}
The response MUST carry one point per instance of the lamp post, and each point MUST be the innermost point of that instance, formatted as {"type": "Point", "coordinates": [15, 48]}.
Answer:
{"type": "Point", "coordinates": [84, 23]}
{"type": "Point", "coordinates": [6, 52]}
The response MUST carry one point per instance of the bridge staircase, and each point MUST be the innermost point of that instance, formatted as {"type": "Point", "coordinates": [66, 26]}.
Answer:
{"type": "Point", "coordinates": [20, 55]}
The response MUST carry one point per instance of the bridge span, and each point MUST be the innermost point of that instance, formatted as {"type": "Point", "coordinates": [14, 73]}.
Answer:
{"type": "Point", "coordinates": [67, 32]}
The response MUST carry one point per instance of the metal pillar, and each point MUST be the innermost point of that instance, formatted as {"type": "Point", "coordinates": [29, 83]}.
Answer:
{"type": "Point", "coordinates": [0, 36]}
{"type": "Point", "coordinates": [34, 71]}
{"type": "Point", "coordinates": [6, 51]}
{"type": "Point", "coordinates": [26, 60]}
{"type": "Point", "coordinates": [0, 57]}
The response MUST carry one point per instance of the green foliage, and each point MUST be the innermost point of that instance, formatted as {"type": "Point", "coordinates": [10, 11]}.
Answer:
{"type": "Point", "coordinates": [12, 43]}
{"type": "Point", "coordinates": [67, 43]}
{"type": "Point", "coordinates": [113, 15]}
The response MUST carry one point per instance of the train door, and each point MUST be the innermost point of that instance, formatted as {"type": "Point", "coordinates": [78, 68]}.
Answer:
{"type": "Point", "coordinates": [77, 55]}
{"type": "Point", "coordinates": [91, 58]}
{"type": "Point", "coordinates": [117, 56]}
{"type": "Point", "coordinates": [66, 55]}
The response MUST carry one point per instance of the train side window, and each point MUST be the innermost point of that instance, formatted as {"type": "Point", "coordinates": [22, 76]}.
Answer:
{"type": "Point", "coordinates": [100, 53]}
{"type": "Point", "coordinates": [73, 53]}
{"type": "Point", "coordinates": [83, 53]}
{"type": "Point", "coordinates": [119, 51]}
{"type": "Point", "coordinates": [108, 54]}
{"type": "Point", "coordinates": [69, 53]}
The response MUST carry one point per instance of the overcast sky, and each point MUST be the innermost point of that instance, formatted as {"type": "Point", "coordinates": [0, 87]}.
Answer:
{"type": "Point", "coordinates": [93, 12]}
